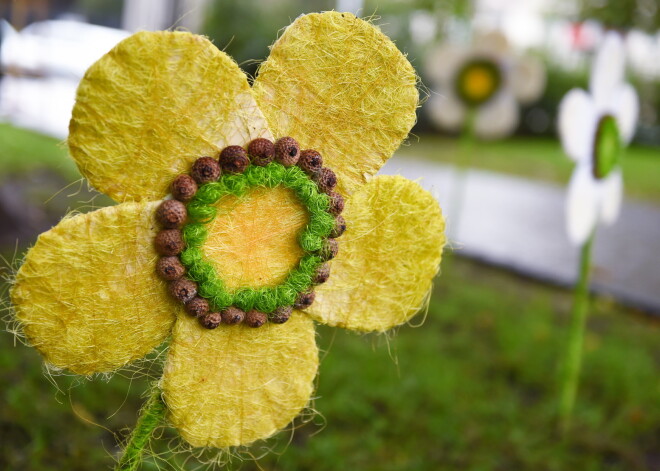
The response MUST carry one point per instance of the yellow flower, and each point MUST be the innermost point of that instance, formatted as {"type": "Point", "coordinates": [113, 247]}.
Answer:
{"type": "Point", "coordinates": [87, 295]}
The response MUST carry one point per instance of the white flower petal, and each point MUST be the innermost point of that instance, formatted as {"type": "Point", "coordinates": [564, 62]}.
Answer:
{"type": "Point", "coordinates": [577, 124]}
{"type": "Point", "coordinates": [446, 111]}
{"type": "Point", "coordinates": [528, 79]}
{"type": "Point", "coordinates": [492, 43]}
{"type": "Point", "coordinates": [498, 118]}
{"type": "Point", "coordinates": [626, 111]}
{"type": "Point", "coordinates": [443, 63]}
{"type": "Point", "coordinates": [607, 71]}
{"type": "Point", "coordinates": [581, 205]}
{"type": "Point", "coordinates": [611, 195]}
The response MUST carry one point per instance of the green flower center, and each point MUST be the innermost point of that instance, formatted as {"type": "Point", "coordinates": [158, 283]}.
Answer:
{"type": "Point", "coordinates": [202, 210]}
{"type": "Point", "coordinates": [477, 81]}
{"type": "Point", "coordinates": [608, 147]}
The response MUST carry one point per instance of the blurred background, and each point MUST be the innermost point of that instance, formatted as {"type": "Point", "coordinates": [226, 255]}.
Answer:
{"type": "Point", "coordinates": [475, 386]}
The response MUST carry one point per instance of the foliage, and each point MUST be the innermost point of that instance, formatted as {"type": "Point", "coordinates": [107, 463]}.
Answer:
{"type": "Point", "coordinates": [474, 388]}
{"type": "Point", "coordinates": [623, 14]}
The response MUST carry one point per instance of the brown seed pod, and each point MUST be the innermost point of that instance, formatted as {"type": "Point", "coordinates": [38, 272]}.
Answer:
{"type": "Point", "coordinates": [232, 315]}
{"type": "Point", "coordinates": [305, 300]}
{"type": "Point", "coordinates": [255, 318]}
{"type": "Point", "coordinates": [234, 159]}
{"type": "Point", "coordinates": [170, 268]}
{"type": "Point", "coordinates": [171, 214]}
{"type": "Point", "coordinates": [205, 169]}
{"type": "Point", "coordinates": [169, 242]}
{"type": "Point", "coordinates": [287, 151]}
{"type": "Point", "coordinates": [261, 151]}
{"type": "Point", "coordinates": [183, 289]}
{"type": "Point", "coordinates": [197, 307]}
{"type": "Point", "coordinates": [184, 188]}
{"type": "Point", "coordinates": [310, 161]}
{"type": "Point", "coordinates": [211, 320]}
{"type": "Point", "coordinates": [336, 203]}
{"type": "Point", "coordinates": [281, 314]}
{"type": "Point", "coordinates": [322, 274]}
{"type": "Point", "coordinates": [326, 180]}
{"type": "Point", "coordinates": [340, 227]}
{"type": "Point", "coordinates": [330, 249]}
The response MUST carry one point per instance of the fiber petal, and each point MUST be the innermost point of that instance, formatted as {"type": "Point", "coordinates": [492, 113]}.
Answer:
{"type": "Point", "coordinates": [528, 79]}
{"type": "Point", "coordinates": [387, 258]}
{"type": "Point", "coordinates": [607, 71]}
{"type": "Point", "coordinates": [151, 106]}
{"type": "Point", "coordinates": [582, 205]}
{"type": "Point", "coordinates": [446, 110]}
{"type": "Point", "coordinates": [339, 85]}
{"type": "Point", "coordinates": [577, 125]}
{"type": "Point", "coordinates": [87, 296]}
{"type": "Point", "coordinates": [612, 195]}
{"type": "Point", "coordinates": [626, 111]}
{"type": "Point", "coordinates": [497, 118]}
{"type": "Point", "coordinates": [234, 385]}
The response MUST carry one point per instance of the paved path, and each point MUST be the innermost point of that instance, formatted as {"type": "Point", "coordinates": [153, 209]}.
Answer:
{"type": "Point", "coordinates": [519, 224]}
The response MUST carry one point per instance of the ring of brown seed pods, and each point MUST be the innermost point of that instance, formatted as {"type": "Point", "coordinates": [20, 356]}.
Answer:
{"type": "Point", "coordinates": [172, 216]}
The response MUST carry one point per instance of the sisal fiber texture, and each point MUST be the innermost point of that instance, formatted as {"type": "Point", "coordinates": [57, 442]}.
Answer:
{"type": "Point", "coordinates": [88, 297]}
{"type": "Point", "coordinates": [151, 106]}
{"type": "Point", "coordinates": [234, 385]}
{"type": "Point", "coordinates": [253, 241]}
{"type": "Point", "coordinates": [340, 86]}
{"type": "Point", "coordinates": [389, 256]}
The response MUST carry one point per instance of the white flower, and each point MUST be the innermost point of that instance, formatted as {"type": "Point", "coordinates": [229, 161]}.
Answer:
{"type": "Point", "coordinates": [487, 78]}
{"type": "Point", "coordinates": [594, 129]}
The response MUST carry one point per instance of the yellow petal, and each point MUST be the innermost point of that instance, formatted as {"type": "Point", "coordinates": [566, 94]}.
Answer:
{"type": "Point", "coordinates": [339, 85]}
{"type": "Point", "coordinates": [235, 384]}
{"type": "Point", "coordinates": [387, 258]}
{"type": "Point", "coordinates": [151, 106]}
{"type": "Point", "coordinates": [88, 297]}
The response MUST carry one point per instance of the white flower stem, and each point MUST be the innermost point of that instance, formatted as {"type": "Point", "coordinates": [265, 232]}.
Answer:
{"type": "Point", "coordinates": [573, 353]}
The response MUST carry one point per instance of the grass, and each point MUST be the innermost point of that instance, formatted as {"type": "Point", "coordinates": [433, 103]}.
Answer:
{"type": "Point", "coordinates": [22, 151]}
{"type": "Point", "coordinates": [540, 159]}
{"type": "Point", "coordinates": [473, 388]}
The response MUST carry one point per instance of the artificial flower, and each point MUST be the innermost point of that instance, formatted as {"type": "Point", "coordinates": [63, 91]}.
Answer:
{"type": "Point", "coordinates": [594, 128]}
{"type": "Point", "coordinates": [486, 80]}
{"type": "Point", "coordinates": [88, 297]}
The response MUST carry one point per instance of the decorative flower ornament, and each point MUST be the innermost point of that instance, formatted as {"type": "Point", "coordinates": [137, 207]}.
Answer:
{"type": "Point", "coordinates": [594, 129]}
{"type": "Point", "coordinates": [250, 234]}
{"type": "Point", "coordinates": [487, 79]}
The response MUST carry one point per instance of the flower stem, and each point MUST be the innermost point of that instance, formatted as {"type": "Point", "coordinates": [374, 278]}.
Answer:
{"type": "Point", "coordinates": [573, 359]}
{"type": "Point", "coordinates": [151, 415]}
{"type": "Point", "coordinates": [465, 151]}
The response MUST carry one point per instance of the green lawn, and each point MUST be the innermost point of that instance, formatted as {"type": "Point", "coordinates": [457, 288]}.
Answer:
{"type": "Point", "coordinates": [473, 388]}
{"type": "Point", "coordinates": [539, 158]}
{"type": "Point", "coordinates": [22, 151]}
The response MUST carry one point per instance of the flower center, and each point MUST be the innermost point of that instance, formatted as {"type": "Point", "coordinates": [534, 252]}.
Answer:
{"type": "Point", "coordinates": [608, 147]}
{"type": "Point", "coordinates": [248, 236]}
{"type": "Point", "coordinates": [253, 241]}
{"type": "Point", "coordinates": [477, 81]}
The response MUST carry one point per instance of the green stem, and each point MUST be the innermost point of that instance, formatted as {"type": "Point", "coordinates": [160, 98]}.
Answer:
{"type": "Point", "coordinates": [573, 360]}
{"type": "Point", "coordinates": [151, 415]}
{"type": "Point", "coordinates": [465, 151]}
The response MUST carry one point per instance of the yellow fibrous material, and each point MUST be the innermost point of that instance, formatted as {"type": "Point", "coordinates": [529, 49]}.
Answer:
{"type": "Point", "coordinates": [151, 106]}
{"type": "Point", "coordinates": [339, 85]}
{"type": "Point", "coordinates": [253, 242]}
{"type": "Point", "coordinates": [387, 259]}
{"type": "Point", "coordinates": [88, 297]}
{"type": "Point", "coordinates": [234, 385]}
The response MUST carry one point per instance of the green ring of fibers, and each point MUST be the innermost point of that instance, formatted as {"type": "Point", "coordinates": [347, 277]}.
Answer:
{"type": "Point", "coordinates": [201, 211]}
